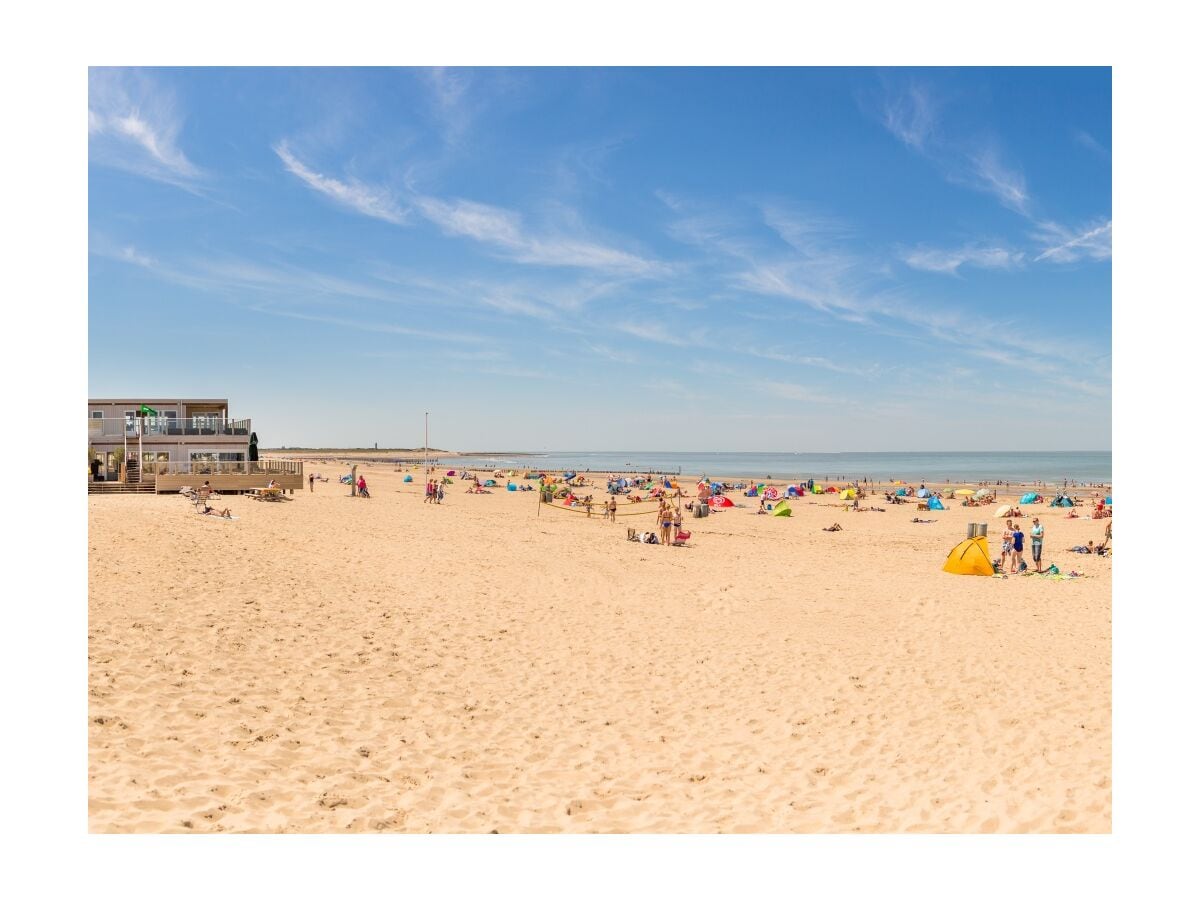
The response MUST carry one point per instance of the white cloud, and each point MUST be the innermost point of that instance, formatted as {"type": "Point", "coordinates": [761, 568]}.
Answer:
{"type": "Point", "coordinates": [1008, 186]}
{"type": "Point", "coordinates": [659, 334]}
{"type": "Point", "coordinates": [911, 117]}
{"type": "Point", "coordinates": [948, 262]}
{"type": "Point", "coordinates": [1064, 245]}
{"type": "Point", "coordinates": [503, 229]}
{"type": "Point", "coordinates": [1092, 144]}
{"type": "Point", "coordinates": [133, 125]}
{"type": "Point", "coordinates": [353, 194]}
{"type": "Point", "coordinates": [448, 92]}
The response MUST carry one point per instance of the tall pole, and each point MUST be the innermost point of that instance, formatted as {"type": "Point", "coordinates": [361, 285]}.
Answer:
{"type": "Point", "coordinates": [426, 446]}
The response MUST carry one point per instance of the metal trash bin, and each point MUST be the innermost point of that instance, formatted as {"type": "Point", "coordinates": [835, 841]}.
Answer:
{"type": "Point", "coordinates": [981, 529]}
{"type": "Point", "coordinates": [972, 530]}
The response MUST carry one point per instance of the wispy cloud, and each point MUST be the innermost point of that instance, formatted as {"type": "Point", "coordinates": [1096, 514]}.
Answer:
{"type": "Point", "coordinates": [911, 116]}
{"type": "Point", "coordinates": [659, 334]}
{"type": "Point", "coordinates": [504, 231]}
{"type": "Point", "coordinates": [448, 93]}
{"type": "Point", "coordinates": [1086, 140]}
{"type": "Point", "coordinates": [948, 262]}
{"type": "Point", "coordinates": [776, 354]}
{"type": "Point", "coordinates": [134, 125]}
{"type": "Point", "coordinates": [351, 193]}
{"type": "Point", "coordinates": [990, 174]}
{"type": "Point", "coordinates": [450, 335]}
{"type": "Point", "coordinates": [1064, 245]}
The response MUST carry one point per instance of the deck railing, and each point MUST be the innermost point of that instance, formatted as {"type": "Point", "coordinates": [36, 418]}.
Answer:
{"type": "Point", "coordinates": [216, 467]}
{"type": "Point", "coordinates": [114, 429]}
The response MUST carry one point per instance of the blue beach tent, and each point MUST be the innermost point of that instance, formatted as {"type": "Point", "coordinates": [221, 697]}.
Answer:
{"type": "Point", "coordinates": [1031, 497]}
{"type": "Point", "coordinates": [935, 503]}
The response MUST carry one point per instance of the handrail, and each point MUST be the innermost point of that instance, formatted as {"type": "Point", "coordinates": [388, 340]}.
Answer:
{"type": "Point", "coordinates": [215, 467]}
{"type": "Point", "coordinates": [163, 426]}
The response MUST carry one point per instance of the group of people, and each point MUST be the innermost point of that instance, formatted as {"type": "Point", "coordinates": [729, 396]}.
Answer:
{"type": "Point", "coordinates": [670, 521]}
{"type": "Point", "coordinates": [1012, 546]}
{"type": "Point", "coordinates": [435, 491]}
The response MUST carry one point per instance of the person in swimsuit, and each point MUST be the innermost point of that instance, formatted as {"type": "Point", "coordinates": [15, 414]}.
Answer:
{"type": "Point", "coordinates": [1006, 544]}
{"type": "Point", "coordinates": [1018, 547]}
{"type": "Point", "coordinates": [664, 521]}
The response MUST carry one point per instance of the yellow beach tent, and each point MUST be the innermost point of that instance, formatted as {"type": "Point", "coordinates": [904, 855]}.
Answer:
{"type": "Point", "coordinates": [971, 557]}
{"type": "Point", "coordinates": [848, 494]}
{"type": "Point", "coordinates": [781, 509]}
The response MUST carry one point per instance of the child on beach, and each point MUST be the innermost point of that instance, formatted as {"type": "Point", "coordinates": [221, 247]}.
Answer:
{"type": "Point", "coordinates": [1006, 544]}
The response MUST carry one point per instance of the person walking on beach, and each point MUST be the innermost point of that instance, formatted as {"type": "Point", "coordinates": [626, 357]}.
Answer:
{"type": "Point", "coordinates": [1018, 549]}
{"type": "Point", "coordinates": [1036, 535]}
{"type": "Point", "coordinates": [441, 493]}
{"type": "Point", "coordinates": [429, 491]}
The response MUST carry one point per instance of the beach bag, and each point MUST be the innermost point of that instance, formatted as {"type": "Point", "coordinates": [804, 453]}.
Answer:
{"type": "Point", "coordinates": [1053, 570]}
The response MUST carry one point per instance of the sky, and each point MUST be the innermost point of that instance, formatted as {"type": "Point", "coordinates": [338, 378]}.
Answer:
{"type": "Point", "coordinates": [610, 259]}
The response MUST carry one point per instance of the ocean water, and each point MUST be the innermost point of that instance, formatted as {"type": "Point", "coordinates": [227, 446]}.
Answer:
{"type": "Point", "coordinates": [1083, 466]}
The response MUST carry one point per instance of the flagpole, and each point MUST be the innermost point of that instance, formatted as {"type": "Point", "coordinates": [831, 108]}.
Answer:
{"type": "Point", "coordinates": [427, 446]}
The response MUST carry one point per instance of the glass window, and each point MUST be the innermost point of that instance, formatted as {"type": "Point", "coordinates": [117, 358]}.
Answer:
{"type": "Point", "coordinates": [97, 414]}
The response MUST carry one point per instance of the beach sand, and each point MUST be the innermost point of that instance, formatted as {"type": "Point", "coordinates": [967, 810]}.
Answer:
{"type": "Point", "coordinates": [334, 664]}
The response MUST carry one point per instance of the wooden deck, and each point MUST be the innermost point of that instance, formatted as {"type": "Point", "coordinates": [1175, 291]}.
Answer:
{"type": "Point", "coordinates": [229, 483]}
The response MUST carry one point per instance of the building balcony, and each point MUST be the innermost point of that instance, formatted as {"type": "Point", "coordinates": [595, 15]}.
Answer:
{"type": "Point", "coordinates": [168, 429]}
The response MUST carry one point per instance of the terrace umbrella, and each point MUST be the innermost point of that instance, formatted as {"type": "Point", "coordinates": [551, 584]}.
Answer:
{"type": "Point", "coordinates": [253, 446]}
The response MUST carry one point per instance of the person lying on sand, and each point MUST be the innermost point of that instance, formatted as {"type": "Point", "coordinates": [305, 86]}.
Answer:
{"type": "Point", "coordinates": [834, 527]}
{"type": "Point", "coordinates": [210, 511]}
{"type": "Point", "coordinates": [923, 521]}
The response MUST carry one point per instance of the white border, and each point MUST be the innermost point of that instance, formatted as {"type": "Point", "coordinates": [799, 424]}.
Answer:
{"type": "Point", "coordinates": [45, 94]}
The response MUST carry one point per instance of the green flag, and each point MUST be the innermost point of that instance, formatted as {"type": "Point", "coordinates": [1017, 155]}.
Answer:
{"type": "Point", "coordinates": [147, 411]}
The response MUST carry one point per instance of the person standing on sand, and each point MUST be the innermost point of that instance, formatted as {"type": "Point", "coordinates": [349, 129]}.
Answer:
{"type": "Point", "coordinates": [441, 493]}
{"type": "Point", "coordinates": [311, 477]}
{"type": "Point", "coordinates": [1036, 535]}
{"type": "Point", "coordinates": [1018, 549]}
{"type": "Point", "coordinates": [1006, 544]}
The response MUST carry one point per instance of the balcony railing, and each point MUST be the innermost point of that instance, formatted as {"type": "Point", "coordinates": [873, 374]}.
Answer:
{"type": "Point", "coordinates": [215, 467]}
{"type": "Point", "coordinates": [115, 429]}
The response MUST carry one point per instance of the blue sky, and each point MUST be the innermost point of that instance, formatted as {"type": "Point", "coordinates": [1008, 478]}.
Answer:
{"type": "Point", "coordinates": [698, 259]}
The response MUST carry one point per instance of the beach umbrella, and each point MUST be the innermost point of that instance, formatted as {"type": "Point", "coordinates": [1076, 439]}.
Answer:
{"type": "Point", "coordinates": [982, 493]}
{"type": "Point", "coordinates": [253, 455]}
{"type": "Point", "coordinates": [962, 492]}
{"type": "Point", "coordinates": [1004, 511]}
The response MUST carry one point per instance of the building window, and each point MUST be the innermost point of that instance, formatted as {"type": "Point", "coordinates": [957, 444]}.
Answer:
{"type": "Point", "coordinates": [97, 414]}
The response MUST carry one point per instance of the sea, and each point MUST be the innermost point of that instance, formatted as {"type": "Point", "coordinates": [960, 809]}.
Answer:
{"type": "Point", "coordinates": [1052, 467]}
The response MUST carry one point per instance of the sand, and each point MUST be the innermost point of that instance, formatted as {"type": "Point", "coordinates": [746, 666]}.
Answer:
{"type": "Point", "coordinates": [334, 664]}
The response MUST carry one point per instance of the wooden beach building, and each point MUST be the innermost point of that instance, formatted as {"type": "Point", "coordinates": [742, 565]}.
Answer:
{"type": "Point", "coordinates": [162, 444]}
